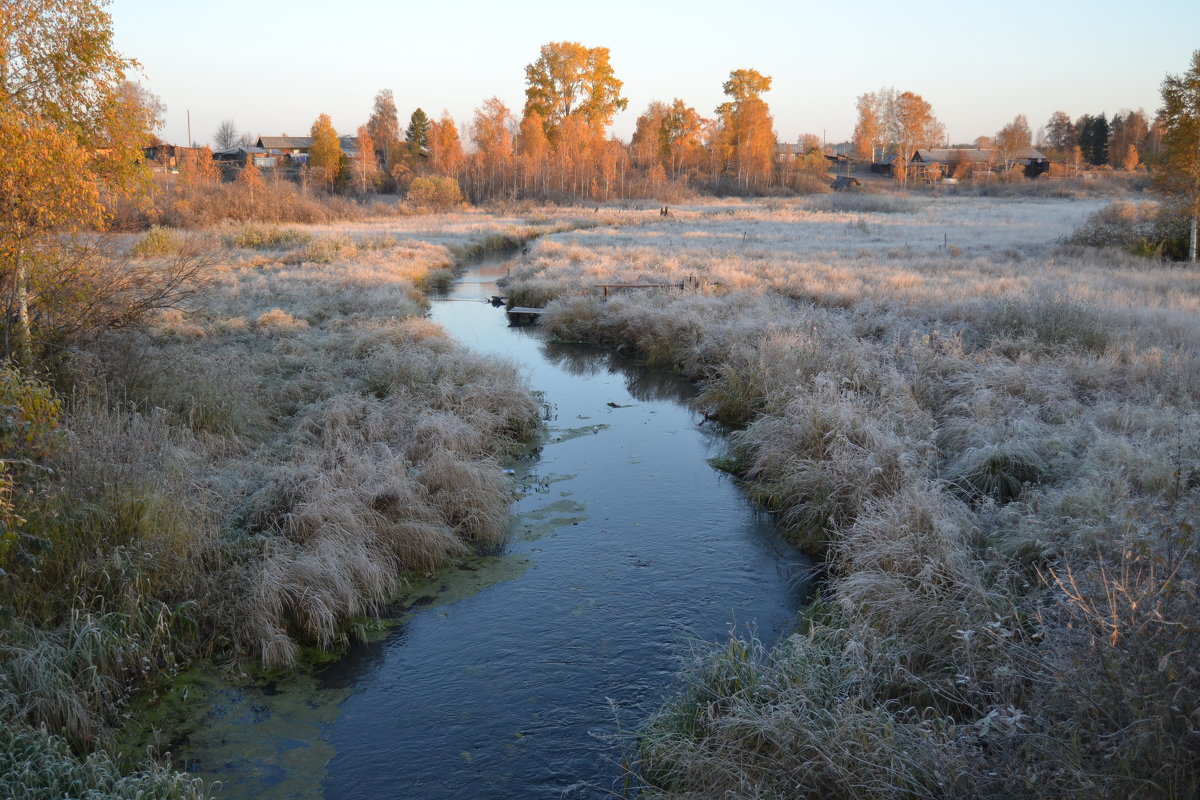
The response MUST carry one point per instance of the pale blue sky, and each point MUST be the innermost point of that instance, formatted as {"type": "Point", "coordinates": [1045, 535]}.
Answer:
{"type": "Point", "coordinates": [272, 67]}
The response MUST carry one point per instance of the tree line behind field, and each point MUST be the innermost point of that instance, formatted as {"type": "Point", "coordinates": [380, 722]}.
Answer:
{"type": "Point", "coordinates": [558, 145]}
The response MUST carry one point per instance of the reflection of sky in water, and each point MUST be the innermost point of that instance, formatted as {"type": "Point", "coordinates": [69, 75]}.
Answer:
{"type": "Point", "coordinates": [626, 549]}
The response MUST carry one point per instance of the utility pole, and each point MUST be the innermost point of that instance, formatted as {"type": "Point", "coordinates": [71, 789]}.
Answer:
{"type": "Point", "coordinates": [189, 115]}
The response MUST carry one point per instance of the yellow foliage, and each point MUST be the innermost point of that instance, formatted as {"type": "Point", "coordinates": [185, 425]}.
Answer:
{"type": "Point", "coordinates": [437, 193]}
{"type": "Point", "coordinates": [325, 157]}
{"type": "Point", "coordinates": [45, 184]}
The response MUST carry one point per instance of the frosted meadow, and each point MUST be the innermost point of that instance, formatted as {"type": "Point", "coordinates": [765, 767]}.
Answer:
{"type": "Point", "coordinates": [994, 441]}
{"type": "Point", "coordinates": [989, 436]}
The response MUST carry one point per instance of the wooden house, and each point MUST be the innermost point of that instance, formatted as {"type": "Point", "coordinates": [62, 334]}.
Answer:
{"type": "Point", "coordinates": [964, 162]}
{"type": "Point", "coordinates": [167, 156]}
{"type": "Point", "coordinates": [296, 148]}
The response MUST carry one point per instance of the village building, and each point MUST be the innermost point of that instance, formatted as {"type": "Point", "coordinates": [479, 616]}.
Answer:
{"type": "Point", "coordinates": [244, 155]}
{"type": "Point", "coordinates": [296, 148]}
{"type": "Point", "coordinates": [167, 156]}
{"type": "Point", "coordinates": [966, 162]}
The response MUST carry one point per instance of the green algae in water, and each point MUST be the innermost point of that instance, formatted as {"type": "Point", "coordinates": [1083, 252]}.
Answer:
{"type": "Point", "coordinates": [533, 525]}
{"type": "Point", "coordinates": [267, 739]}
{"type": "Point", "coordinates": [262, 741]}
{"type": "Point", "coordinates": [460, 580]}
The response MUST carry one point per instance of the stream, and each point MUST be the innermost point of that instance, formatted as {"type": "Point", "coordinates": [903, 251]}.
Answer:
{"type": "Point", "coordinates": [526, 673]}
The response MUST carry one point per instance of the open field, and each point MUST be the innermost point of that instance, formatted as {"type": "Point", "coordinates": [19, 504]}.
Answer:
{"type": "Point", "coordinates": [994, 440]}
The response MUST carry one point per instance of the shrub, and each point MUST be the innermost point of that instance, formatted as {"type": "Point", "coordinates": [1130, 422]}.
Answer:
{"type": "Point", "coordinates": [1151, 230]}
{"type": "Point", "coordinates": [258, 237]}
{"type": "Point", "coordinates": [30, 415]}
{"type": "Point", "coordinates": [999, 472]}
{"type": "Point", "coordinates": [323, 250]}
{"type": "Point", "coordinates": [156, 243]}
{"type": "Point", "coordinates": [435, 193]}
{"type": "Point", "coordinates": [1046, 324]}
{"type": "Point", "coordinates": [863, 203]}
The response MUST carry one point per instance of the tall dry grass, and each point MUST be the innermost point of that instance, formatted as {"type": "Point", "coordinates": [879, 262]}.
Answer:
{"type": "Point", "coordinates": [995, 446]}
{"type": "Point", "coordinates": [35, 764]}
{"type": "Point", "coordinates": [250, 473]}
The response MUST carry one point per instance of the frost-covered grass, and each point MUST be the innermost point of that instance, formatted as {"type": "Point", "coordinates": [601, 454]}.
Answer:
{"type": "Point", "coordinates": [995, 443]}
{"type": "Point", "coordinates": [255, 472]}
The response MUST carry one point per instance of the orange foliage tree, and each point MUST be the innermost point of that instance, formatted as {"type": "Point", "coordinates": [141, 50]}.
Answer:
{"type": "Point", "coordinates": [1014, 138]}
{"type": "Point", "coordinates": [491, 136]}
{"type": "Point", "coordinates": [912, 126]}
{"type": "Point", "coordinates": [869, 128]}
{"type": "Point", "coordinates": [366, 164]}
{"type": "Point", "coordinates": [71, 134]}
{"type": "Point", "coordinates": [445, 148]}
{"type": "Point", "coordinates": [533, 150]}
{"type": "Point", "coordinates": [568, 79]}
{"type": "Point", "coordinates": [325, 157]}
{"type": "Point", "coordinates": [384, 126]}
{"type": "Point", "coordinates": [748, 136]}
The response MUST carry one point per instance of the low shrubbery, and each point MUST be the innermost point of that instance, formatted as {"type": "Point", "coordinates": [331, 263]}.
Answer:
{"type": "Point", "coordinates": [434, 193]}
{"type": "Point", "coordinates": [1145, 229]}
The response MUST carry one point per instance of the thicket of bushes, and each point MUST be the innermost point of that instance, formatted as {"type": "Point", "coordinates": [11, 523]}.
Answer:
{"type": "Point", "coordinates": [1154, 230]}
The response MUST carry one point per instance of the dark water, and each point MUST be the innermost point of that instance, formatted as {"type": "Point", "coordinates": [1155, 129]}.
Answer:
{"type": "Point", "coordinates": [525, 673]}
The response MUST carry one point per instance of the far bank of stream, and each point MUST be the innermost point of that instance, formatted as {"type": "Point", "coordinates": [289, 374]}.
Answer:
{"type": "Point", "coordinates": [524, 673]}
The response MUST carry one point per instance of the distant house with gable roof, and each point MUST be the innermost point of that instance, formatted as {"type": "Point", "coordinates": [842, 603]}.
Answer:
{"type": "Point", "coordinates": [966, 161]}
{"type": "Point", "coordinates": [297, 148]}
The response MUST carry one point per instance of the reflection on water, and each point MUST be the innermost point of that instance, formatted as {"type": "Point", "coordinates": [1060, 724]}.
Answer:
{"type": "Point", "coordinates": [513, 676]}
{"type": "Point", "coordinates": [641, 381]}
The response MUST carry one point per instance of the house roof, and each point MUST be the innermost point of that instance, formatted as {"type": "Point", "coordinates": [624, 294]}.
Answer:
{"type": "Point", "coordinates": [973, 155]}
{"type": "Point", "coordinates": [348, 143]}
{"type": "Point", "coordinates": [285, 142]}
{"type": "Point", "coordinates": [233, 151]}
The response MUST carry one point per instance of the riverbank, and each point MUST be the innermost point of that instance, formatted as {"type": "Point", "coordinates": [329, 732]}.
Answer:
{"type": "Point", "coordinates": [516, 674]}
{"type": "Point", "coordinates": [995, 443]}
{"type": "Point", "coordinates": [255, 473]}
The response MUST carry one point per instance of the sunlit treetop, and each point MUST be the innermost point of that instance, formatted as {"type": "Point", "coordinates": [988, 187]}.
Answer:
{"type": "Point", "coordinates": [57, 61]}
{"type": "Point", "coordinates": [569, 79]}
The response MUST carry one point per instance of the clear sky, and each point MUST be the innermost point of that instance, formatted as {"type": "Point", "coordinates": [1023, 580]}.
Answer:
{"type": "Point", "coordinates": [272, 67]}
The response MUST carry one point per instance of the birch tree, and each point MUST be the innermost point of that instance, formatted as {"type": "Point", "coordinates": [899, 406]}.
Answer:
{"type": "Point", "coordinates": [1179, 176]}
{"type": "Point", "coordinates": [445, 147]}
{"type": "Point", "coordinates": [569, 79]}
{"type": "Point", "coordinates": [384, 127]}
{"type": "Point", "coordinates": [325, 157]}
{"type": "Point", "coordinates": [749, 136]}
{"type": "Point", "coordinates": [869, 127]}
{"type": "Point", "coordinates": [71, 134]}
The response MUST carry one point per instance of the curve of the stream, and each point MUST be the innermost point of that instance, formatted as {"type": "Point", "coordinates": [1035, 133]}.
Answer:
{"type": "Point", "coordinates": [522, 674]}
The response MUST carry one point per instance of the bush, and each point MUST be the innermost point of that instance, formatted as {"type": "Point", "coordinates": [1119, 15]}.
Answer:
{"type": "Point", "coordinates": [436, 193]}
{"type": "Point", "coordinates": [323, 250]}
{"type": "Point", "coordinates": [1152, 230]}
{"type": "Point", "coordinates": [1046, 324]}
{"type": "Point", "coordinates": [30, 415]}
{"type": "Point", "coordinates": [256, 237]}
{"type": "Point", "coordinates": [156, 243]}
